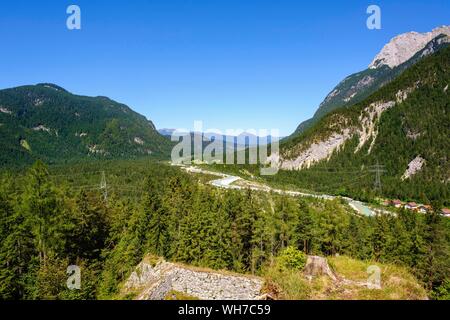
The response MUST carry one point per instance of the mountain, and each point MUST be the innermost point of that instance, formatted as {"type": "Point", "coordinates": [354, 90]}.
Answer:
{"type": "Point", "coordinates": [47, 122]}
{"type": "Point", "coordinates": [405, 125]}
{"type": "Point", "coordinates": [403, 47]}
{"type": "Point", "coordinates": [166, 132]}
{"type": "Point", "coordinates": [399, 54]}
{"type": "Point", "coordinates": [245, 139]}
{"type": "Point", "coordinates": [231, 143]}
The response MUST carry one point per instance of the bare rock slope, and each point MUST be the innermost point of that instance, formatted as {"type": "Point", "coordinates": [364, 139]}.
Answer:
{"type": "Point", "coordinates": [154, 282]}
{"type": "Point", "coordinates": [403, 47]}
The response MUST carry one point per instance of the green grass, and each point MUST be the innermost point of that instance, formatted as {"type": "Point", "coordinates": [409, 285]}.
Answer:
{"type": "Point", "coordinates": [286, 284]}
{"type": "Point", "coordinates": [397, 283]}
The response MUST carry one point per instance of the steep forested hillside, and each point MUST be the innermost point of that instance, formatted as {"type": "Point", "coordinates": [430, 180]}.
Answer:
{"type": "Point", "coordinates": [47, 122]}
{"type": "Point", "coordinates": [406, 120]}
{"type": "Point", "coordinates": [359, 86]}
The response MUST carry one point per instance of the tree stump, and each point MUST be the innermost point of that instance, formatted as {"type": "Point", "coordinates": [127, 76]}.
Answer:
{"type": "Point", "coordinates": [318, 266]}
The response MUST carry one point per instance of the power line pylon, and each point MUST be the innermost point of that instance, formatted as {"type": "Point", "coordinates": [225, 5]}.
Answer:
{"type": "Point", "coordinates": [104, 187]}
{"type": "Point", "coordinates": [378, 169]}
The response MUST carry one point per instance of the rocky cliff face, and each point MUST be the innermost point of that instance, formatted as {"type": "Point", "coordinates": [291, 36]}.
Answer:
{"type": "Point", "coordinates": [317, 151]}
{"type": "Point", "coordinates": [403, 47]}
{"type": "Point", "coordinates": [322, 149]}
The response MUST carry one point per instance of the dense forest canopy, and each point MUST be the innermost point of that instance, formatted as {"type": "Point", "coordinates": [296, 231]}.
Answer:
{"type": "Point", "coordinates": [48, 222]}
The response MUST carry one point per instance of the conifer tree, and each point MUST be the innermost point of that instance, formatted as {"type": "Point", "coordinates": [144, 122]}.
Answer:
{"type": "Point", "coordinates": [304, 234]}
{"type": "Point", "coordinates": [16, 246]}
{"type": "Point", "coordinates": [43, 207]}
{"type": "Point", "coordinates": [156, 218]}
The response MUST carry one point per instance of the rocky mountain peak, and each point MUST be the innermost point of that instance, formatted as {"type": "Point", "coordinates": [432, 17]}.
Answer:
{"type": "Point", "coordinates": [403, 47]}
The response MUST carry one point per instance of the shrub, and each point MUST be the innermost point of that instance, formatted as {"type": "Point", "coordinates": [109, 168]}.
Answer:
{"type": "Point", "coordinates": [292, 258]}
{"type": "Point", "coordinates": [443, 291]}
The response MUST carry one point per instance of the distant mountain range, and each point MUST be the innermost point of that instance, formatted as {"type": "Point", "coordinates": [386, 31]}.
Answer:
{"type": "Point", "coordinates": [243, 139]}
{"type": "Point", "coordinates": [47, 122]}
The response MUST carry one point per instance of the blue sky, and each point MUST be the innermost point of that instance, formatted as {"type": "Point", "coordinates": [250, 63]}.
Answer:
{"type": "Point", "coordinates": [232, 64]}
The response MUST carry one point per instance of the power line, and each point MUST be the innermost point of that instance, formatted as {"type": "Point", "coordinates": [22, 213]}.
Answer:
{"type": "Point", "coordinates": [378, 169]}
{"type": "Point", "coordinates": [104, 187]}
{"type": "Point", "coordinates": [74, 174]}
{"type": "Point", "coordinates": [342, 183]}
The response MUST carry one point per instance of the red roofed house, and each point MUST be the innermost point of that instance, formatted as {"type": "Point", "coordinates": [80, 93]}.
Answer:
{"type": "Point", "coordinates": [397, 203]}
{"type": "Point", "coordinates": [446, 212]}
{"type": "Point", "coordinates": [411, 206]}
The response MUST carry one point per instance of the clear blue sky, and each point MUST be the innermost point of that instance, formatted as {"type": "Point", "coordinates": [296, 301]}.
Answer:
{"type": "Point", "coordinates": [233, 64]}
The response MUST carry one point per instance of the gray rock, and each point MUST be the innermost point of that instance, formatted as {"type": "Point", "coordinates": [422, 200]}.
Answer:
{"type": "Point", "coordinates": [155, 282]}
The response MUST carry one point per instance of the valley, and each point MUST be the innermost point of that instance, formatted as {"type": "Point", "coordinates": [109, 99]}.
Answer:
{"type": "Point", "coordinates": [358, 207]}
{"type": "Point", "coordinates": [238, 183]}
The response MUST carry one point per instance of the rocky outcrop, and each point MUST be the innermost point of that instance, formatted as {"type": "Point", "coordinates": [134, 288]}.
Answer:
{"type": "Point", "coordinates": [139, 141]}
{"type": "Point", "coordinates": [81, 135]}
{"type": "Point", "coordinates": [95, 150]}
{"type": "Point", "coordinates": [436, 42]}
{"type": "Point", "coordinates": [405, 46]}
{"type": "Point", "coordinates": [38, 102]}
{"type": "Point", "coordinates": [154, 282]}
{"type": "Point", "coordinates": [317, 151]}
{"type": "Point", "coordinates": [366, 131]}
{"type": "Point", "coordinates": [413, 135]}
{"type": "Point", "coordinates": [413, 167]}
{"type": "Point", "coordinates": [369, 120]}
{"type": "Point", "coordinates": [5, 110]}
{"type": "Point", "coordinates": [41, 128]}
{"type": "Point", "coordinates": [331, 95]}
{"type": "Point", "coordinates": [370, 116]}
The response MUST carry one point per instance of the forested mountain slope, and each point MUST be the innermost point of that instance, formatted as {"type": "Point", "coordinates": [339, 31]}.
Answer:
{"type": "Point", "coordinates": [397, 56]}
{"type": "Point", "coordinates": [405, 126]}
{"type": "Point", "coordinates": [49, 123]}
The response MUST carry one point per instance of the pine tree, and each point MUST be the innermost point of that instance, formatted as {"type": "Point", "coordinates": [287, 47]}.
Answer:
{"type": "Point", "coordinates": [43, 207]}
{"type": "Point", "coordinates": [246, 222]}
{"type": "Point", "coordinates": [437, 262]}
{"type": "Point", "coordinates": [89, 229]}
{"type": "Point", "coordinates": [286, 211]}
{"type": "Point", "coordinates": [262, 236]}
{"type": "Point", "coordinates": [304, 231]}
{"type": "Point", "coordinates": [218, 254]}
{"type": "Point", "coordinates": [233, 209]}
{"type": "Point", "coordinates": [16, 247]}
{"type": "Point", "coordinates": [156, 215]}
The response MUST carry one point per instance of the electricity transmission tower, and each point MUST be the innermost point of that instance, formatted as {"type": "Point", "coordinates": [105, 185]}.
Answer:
{"type": "Point", "coordinates": [378, 169]}
{"type": "Point", "coordinates": [104, 187]}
